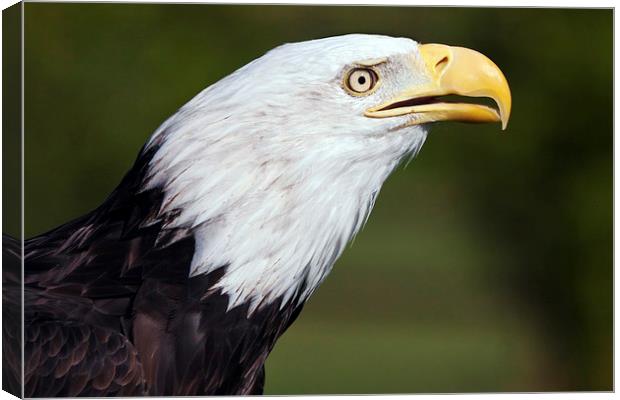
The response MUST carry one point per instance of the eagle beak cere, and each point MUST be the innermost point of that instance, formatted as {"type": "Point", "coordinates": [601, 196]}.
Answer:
{"type": "Point", "coordinates": [452, 71]}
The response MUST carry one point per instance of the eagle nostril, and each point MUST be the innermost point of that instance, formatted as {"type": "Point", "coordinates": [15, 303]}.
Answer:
{"type": "Point", "coordinates": [441, 64]}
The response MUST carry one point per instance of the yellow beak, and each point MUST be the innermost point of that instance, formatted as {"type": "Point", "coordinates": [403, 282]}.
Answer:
{"type": "Point", "coordinates": [452, 71]}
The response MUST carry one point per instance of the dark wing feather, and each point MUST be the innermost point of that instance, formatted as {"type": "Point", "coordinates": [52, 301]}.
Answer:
{"type": "Point", "coordinates": [71, 359]}
{"type": "Point", "coordinates": [11, 316]}
{"type": "Point", "coordinates": [111, 309]}
{"type": "Point", "coordinates": [80, 281]}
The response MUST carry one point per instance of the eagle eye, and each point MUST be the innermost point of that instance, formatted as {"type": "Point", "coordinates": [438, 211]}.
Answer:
{"type": "Point", "coordinates": [361, 80]}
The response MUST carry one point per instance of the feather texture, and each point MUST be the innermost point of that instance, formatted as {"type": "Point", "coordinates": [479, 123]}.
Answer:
{"type": "Point", "coordinates": [234, 212]}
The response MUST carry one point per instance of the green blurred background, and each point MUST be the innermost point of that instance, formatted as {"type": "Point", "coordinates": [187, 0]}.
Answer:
{"type": "Point", "coordinates": [487, 263]}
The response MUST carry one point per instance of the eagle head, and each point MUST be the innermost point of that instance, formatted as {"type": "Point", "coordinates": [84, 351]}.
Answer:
{"type": "Point", "coordinates": [276, 167]}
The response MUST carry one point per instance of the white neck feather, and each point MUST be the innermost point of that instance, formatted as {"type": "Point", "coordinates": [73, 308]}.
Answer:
{"type": "Point", "coordinates": [278, 214]}
{"type": "Point", "coordinates": [270, 192]}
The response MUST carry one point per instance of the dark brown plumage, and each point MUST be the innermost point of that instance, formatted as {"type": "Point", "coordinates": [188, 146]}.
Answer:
{"type": "Point", "coordinates": [110, 309]}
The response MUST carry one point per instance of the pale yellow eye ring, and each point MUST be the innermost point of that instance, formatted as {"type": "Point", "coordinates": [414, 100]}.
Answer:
{"type": "Point", "coordinates": [360, 81]}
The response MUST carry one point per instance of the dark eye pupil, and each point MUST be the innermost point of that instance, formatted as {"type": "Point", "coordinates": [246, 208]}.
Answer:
{"type": "Point", "coordinates": [361, 80]}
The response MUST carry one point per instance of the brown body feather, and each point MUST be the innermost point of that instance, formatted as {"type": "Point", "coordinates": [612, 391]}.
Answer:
{"type": "Point", "coordinates": [110, 309]}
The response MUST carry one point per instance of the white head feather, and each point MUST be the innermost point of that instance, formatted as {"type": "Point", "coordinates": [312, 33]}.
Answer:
{"type": "Point", "coordinates": [276, 167]}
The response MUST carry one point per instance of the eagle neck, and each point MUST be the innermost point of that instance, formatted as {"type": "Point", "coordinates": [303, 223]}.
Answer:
{"type": "Point", "coordinates": [277, 211]}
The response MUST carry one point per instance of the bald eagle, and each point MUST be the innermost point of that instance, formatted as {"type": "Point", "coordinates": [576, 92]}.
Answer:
{"type": "Point", "coordinates": [234, 212]}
